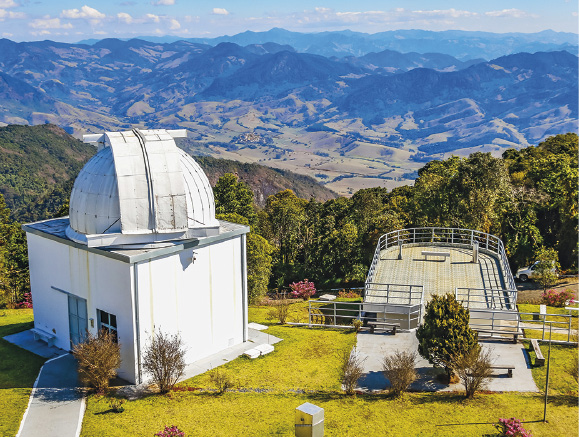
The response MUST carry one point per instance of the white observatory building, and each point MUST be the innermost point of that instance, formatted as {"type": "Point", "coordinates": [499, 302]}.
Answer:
{"type": "Point", "coordinates": [141, 251]}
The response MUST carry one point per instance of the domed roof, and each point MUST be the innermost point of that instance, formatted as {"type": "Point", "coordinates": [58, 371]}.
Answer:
{"type": "Point", "coordinates": [140, 190]}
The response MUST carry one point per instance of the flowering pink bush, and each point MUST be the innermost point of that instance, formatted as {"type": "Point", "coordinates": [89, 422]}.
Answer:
{"type": "Point", "coordinates": [512, 427]}
{"type": "Point", "coordinates": [303, 289]}
{"type": "Point", "coordinates": [555, 298]}
{"type": "Point", "coordinates": [171, 431]}
{"type": "Point", "coordinates": [27, 302]}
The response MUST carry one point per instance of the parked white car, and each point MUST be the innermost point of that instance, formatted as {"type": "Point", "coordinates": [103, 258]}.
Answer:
{"type": "Point", "coordinates": [527, 273]}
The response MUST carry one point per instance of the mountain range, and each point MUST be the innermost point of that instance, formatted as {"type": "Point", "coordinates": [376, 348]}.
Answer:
{"type": "Point", "coordinates": [464, 45]}
{"type": "Point", "coordinates": [350, 122]}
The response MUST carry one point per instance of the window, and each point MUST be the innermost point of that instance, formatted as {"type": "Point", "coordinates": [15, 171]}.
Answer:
{"type": "Point", "coordinates": [108, 322]}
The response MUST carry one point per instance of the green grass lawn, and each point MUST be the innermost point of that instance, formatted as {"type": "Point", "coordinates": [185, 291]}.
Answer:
{"type": "Point", "coordinates": [18, 370]}
{"type": "Point", "coordinates": [271, 387]}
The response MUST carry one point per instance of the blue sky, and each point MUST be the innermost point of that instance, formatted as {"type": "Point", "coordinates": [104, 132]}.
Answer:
{"type": "Point", "coordinates": [64, 20]}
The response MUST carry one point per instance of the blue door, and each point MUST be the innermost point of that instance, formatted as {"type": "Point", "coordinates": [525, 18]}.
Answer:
{"type": "Point", "coordinates": [77, 319]}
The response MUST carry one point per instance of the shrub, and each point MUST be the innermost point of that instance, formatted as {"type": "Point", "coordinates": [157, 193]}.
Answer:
{"type": "Point", "coordinates": [27, 302]}
{"type": "Point", "coordinates": [170, 431]}
{"type": "Point", "coordinates": [98, 358]}
{"type": "Point", "coordinates": [164, 359]}
{"type": "Point", "coordinates": [116, 405]}
{"type": "Point", "coordinates": [303, 289]}
{"type": "Point", "coordinates": [352, 371]}
{"type": "Point", "coordinates": [348, 294]}
{"type": "Point", "coordinates": [445, 332]}
{"type": "Point", "coordinates": [221, 379]}
{"type": "Point", "coordinates": [357, 325]}
{"type": "Point", "coordinates": [400, 370]}
{"type": "Point", "coordinates": [556, 298]}
{"type": "Point", "coordinates": [512, 427]}
{"type": "Point", "coordinates": [280, 308]}
{"type": "Point", "coordinates": [473, 369]}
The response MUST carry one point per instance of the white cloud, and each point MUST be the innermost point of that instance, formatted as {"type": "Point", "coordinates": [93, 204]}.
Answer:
{"type": "Point", "coordinates": [7, 34]}
{"type": "Point", "coordinates": [123, 16]}
{"type": "Point", "coordinates": [153, 17]}
{"type": "Point", "coordinates": [164, 3]}
{"type": "Point", "coordinates": [454, 13]}
{"type": "Point", "coordinates": [220, 11]}
{"type": "Point", "coordinates": [509, 13]}
{"type": "Point", "coordinates": [4, 4]}
{"type": "Point", "coordinates": [84, 12]}
{"type": "Point", "coordinates": [9, 14]}
{"type": "Point", "coordinates": [49, 23]}
{"type": "Point", "coordinates": [174, 24]}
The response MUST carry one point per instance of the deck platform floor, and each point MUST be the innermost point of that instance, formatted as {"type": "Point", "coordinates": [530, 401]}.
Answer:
{"type": "Point", "coordinates": [438, 275]}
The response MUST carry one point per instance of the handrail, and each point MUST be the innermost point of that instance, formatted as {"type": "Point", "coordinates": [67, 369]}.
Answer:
{"type": "Point", "coordinates": [509, 301]}
{"type": "Point", "coordinates": [444, 236]}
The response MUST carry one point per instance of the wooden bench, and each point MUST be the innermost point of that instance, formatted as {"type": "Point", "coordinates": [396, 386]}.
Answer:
{"type": "Point", "coordinates": [426, 253]}
{"type": "Point", "coordinates": [539, 358]}
{"type": "Point", "coordinates": [515, 334]}
{"type": "Point", "coordinates": [373, 325]}
{"type": "Point", "coordinates": [39, 334]}
{"type": "Point", "coordinates": [508, 367]}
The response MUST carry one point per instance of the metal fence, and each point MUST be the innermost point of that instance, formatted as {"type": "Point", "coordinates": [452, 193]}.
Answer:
{"type": "Point", "coordinates": [490, 298]}
{"type": "Point", "coordinates": [535, 325]}
{"type": "Point", "coordinates": [445, 237]}
{"type": "Point", "coordinates": [341, 314]}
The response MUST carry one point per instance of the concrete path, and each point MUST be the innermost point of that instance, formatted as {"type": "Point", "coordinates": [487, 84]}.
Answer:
{"type": "Point", "coordinates": [25, 340]}
{"type": "Point", "coordinates": [56, 407]}
{"type": "Point", "coordinates": [374, 347]}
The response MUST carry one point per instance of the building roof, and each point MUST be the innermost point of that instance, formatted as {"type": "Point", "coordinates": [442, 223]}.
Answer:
{"type": "Point", "coordinates": [140, 189]}
{"type": "Point", "coordinates": [55, 229]}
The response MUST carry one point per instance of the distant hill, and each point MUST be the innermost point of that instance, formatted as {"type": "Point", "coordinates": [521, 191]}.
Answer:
{"type": "Point", "coordinates": [35, 163]}
{"type": "Point", "coordinates": [38, 166]}
{"type": "Point", "coordinates": [265, 181]}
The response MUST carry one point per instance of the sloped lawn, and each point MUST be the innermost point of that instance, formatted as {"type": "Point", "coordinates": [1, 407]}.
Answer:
{"type": "Point", "coordinates": [18, 370]}
{"type": "Point", "coordinates": [305, 368]}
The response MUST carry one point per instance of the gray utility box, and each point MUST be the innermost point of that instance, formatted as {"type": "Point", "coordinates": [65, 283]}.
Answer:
{"type": "Point", "coordinates": [309, 421]}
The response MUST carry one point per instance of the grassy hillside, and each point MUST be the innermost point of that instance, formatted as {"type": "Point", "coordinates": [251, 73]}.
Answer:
{"type": "Point", "coordinates": [265, 181]}
{"type": "Point", "coordinates": [37, 163]}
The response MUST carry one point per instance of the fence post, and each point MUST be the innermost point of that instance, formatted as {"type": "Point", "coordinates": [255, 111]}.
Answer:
{"type": "Point", "coordinates": [335, 319]}
{"type": "Point", "coordinates": [310, 313]}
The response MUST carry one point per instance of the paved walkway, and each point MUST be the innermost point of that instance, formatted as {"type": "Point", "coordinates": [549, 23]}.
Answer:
{"type": "Point", "coordinates": [56, 407]}
{"type": "Point", "coordinates": [374, 347]}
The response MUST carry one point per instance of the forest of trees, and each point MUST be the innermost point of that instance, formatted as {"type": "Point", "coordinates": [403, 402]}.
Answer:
{"type": "Point", "coordinates": [528, 198]}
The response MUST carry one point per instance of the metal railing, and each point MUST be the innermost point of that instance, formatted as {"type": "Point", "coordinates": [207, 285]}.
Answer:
{"type": "Point", "coordinates": [513, 321]}
{"type": "Point", "coordinates": [341, 314]}
{"type": "Point", "coordinates": [445, 237]}
{"type": "Point", "coordinates": [491, 298]}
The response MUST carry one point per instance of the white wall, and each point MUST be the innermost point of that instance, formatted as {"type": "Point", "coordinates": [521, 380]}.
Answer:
{"type": "Point", "coordinates": [202, 300]}
{"type": "Point", "coordinates": [105, 283]}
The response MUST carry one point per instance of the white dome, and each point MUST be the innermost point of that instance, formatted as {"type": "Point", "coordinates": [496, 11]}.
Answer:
{"type": "Point", "coordinates": [140, 190]}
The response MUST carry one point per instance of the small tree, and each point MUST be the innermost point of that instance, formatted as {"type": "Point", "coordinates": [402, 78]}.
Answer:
{"type": "Point", "coordinates": [98, 358]}
{"type": "Point", "coordinates": [400, 370]}
{"type": "Point", "coordinates": [474, 369]}
{"type": "Point", "coordinates": [546, 270]}
{"type": "Point", "coordinates": [352, 371]}
{"type": "Point", "coordinates": [445, 332]}
{"type": "Point", "coordinates": [164, 359]}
